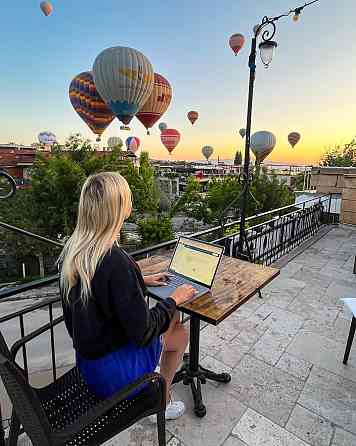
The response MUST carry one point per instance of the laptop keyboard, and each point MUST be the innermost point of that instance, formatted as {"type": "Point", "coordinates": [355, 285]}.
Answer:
{"type": "Point", "coordinates": [176, 281]}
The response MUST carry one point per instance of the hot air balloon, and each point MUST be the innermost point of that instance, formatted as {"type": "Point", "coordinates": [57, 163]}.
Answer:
{"type": "Point", "coordinates": [293, 138]}
{"type": "Point", "coordinates": [193, 116]}
{"type": "Point", "coordinates": [47, 8]}
{"type": "Point", "coordinates": [207, 151]}
{"type": "Point", "coordinates": [47, 138]}
{"type": "Point", "coordinates": [124, 79]}
{"type": "Point", "coordinates": [115, 141]}
{"type": "Point", "coordinates": [132, 144]}
{"type": "Point", "coordinates": [157, 103]}
{"type": "Point", "coordinates": [87, 102]}
{"type": "Point", "coordinates": [236, 42]}
{"type": "Point", "coordinates": [163, 126]}
{"type": "Point", "coordinates": [242, 132]}
{"type": "Point", "coordinates": [262, 144]}
{"type": "Point", "coordinates": [170, 139]}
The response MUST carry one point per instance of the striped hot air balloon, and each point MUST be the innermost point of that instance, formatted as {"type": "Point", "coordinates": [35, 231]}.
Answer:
{"type": "Point", "coordinates": [46, 8]}
{"type": "Point", "coordinates": [87, 102]}
{"type": "Point", "coordinates": [170, 139]}
{"type": "Point", "coordinates": [132, 144]}
{"type": "Point", "coordinates": [157, 103]}
{"type": "Point", "coordinates": [236, 42]}
{"type": "Point", "coordinates": [193, 116]}
{"type": "Point", "coordinates": [293, 138]}
{"type": "Point", "coordinates": [124, 78]}
{"type": "Point", "coordinates": [242, 132]}
{"type": "Point", "coordinates": [262, 144]}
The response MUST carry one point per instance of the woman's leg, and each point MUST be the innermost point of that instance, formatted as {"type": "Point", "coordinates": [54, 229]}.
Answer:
{"type": "Point", "coordinates": [175, 342]}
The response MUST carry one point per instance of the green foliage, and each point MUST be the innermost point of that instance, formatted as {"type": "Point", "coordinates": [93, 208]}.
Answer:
{"type": "Point", "coordinates": [155, 229]}
{"type": "Point", "coordinates": [340, 155]}
{"type": "Point", "coordinates": [143, 185]}
{"type": "Point", "coordinates": [238, 158]}
{"type": "Point", "coordinates": [190, 196]}
{"type": "Point", "coordinates": [266, 194]}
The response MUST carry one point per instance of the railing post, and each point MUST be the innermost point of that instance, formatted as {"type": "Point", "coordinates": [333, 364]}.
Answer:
{"type": "Point", "coordinates": [329, 208]}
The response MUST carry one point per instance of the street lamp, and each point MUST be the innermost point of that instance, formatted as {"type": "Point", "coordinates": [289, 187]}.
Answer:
{"type": "Point", "coordinates": [265, 31]}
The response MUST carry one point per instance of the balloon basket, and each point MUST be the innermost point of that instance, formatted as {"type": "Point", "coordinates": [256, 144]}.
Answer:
{"type": "Point", "coordinates": [148, 132]}
{"type": "Point", "coordinates": [98, 139]}
{"type": "Point", "coordinates": [125, 127]}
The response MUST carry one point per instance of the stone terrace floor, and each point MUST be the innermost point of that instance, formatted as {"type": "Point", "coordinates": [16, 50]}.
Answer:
{"type": "Point", "coordinates": [289, 386]}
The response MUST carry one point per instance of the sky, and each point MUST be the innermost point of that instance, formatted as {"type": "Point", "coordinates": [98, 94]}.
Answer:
{"type": "Point", "coordinates": [310, 86]}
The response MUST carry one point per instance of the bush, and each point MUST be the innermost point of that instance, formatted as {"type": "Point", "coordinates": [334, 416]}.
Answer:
{"type": "Point", "coordinates": [155, 230]}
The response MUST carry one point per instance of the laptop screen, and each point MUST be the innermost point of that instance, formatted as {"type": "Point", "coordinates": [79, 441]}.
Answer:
{"type": "Point", "coordinates": [196, 260]}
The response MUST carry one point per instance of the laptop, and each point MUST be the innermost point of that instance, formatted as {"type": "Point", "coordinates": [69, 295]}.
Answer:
{"type": "Point", "coordinates": [195, 263]}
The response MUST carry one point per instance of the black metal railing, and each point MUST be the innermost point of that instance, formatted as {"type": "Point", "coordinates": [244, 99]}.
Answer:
{"type": "Point", "coordinates": [273, 234]}
{"type": "Point", "coordinates": [270, 235]}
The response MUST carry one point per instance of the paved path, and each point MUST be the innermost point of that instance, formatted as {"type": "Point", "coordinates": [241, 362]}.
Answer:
{"type": "Point", "coordinates": [289, 386]}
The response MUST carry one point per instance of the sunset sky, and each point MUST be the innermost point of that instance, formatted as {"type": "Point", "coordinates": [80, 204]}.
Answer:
{"type": "Point", "coordinates": [310, 86]}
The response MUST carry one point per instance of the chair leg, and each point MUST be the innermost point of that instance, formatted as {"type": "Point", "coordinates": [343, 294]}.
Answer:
{"type": "Point", "coordinates": [350, 339]}
{"type": "Point", "coordinates": [14, 430]}
{"type": "Point", "coordinates": [161, 427]}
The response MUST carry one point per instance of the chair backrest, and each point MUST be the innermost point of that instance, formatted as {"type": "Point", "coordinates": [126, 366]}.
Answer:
{"type": "Point", "coordinates": [4, 350]}
{"type": "Point", "coordinates": [25, 402]}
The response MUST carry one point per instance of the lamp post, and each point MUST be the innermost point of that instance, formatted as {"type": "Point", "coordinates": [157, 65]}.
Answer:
{"type": "Point", "coordinates": [264, 32]}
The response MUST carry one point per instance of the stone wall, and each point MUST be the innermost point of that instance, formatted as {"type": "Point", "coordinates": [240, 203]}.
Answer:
{"type": "Point", "coordinates": [348, 202]}
{"type": "Point", "coordinates": [338, 180]}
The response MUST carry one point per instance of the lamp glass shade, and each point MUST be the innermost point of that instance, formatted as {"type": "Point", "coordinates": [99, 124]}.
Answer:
{"type": "Point", "coordinates": [267, 51]}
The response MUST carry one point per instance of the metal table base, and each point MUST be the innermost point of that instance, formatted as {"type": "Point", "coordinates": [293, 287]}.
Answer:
{"type": "Point", "coordinates": [193, 374]}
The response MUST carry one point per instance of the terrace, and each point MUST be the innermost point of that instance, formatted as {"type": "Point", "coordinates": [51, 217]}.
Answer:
{"type": "Point", "coordinates": [284, 352]}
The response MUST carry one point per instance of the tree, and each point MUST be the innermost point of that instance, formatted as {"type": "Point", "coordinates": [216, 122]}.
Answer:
{"type": "Point", "coordinates": [155, 229]}
{"type": "Point", "coordinates": [238, 158]}
{"type": "Point", "coordinates": [340, 155]}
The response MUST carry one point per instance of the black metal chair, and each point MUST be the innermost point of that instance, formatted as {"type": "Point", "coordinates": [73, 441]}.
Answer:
{"type": "Point", "coordinates": [67, 413]}
{"type": "Point", "coordinates": [352, 330]}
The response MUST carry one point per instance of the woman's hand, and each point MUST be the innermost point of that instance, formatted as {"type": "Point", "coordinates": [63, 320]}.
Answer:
{"type": "Point", "coordinates": [159, 279]}
{"type": "Point", "coordinates": [183, 294]}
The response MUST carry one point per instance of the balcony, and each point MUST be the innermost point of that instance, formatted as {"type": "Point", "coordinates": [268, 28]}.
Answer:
{"type": "Point", "coordinates": [284, 352]}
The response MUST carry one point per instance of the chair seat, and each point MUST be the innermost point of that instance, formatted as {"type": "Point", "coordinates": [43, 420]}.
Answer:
{"type": "Point", "coordinates": [69, 398]}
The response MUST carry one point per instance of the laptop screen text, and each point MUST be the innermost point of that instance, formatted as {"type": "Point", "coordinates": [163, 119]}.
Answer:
{"type": "Point", "coordinates": [196, 260]}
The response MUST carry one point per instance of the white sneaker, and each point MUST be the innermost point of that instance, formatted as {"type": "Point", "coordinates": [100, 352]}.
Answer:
{"type": "Point", "coordinates": [174, 410]}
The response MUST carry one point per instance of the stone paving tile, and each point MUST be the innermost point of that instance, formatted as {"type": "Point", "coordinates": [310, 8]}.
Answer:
{"type": "Point", "coordinates": [214, 365]}
{"type": "Point", "coordinates": [307, 307]}
{"type": "Point", "coordinates": [265, 389]}
{"type": "Point", "coordinates": [223, 412]}
{"type": "Point", "coordinates": [323, 352]}
{"type": "Point", "coordinates": [310, 427]}
{"type": "Point", "coordinates": [337, 331]}
{"type": "Point", "coordinates": [233, 441]}
{"type": "Point", "coordinates": [283, 326]}
{"type": "Point", "coordinates": [143, 433]}
{"type": "Point", "coordinates": [332, 397]}
{"type": "Point", "coordinates": [251, 329]}
{"type": "Point", "coordinates": [175, 442]}
{"type": "Point", "coordinates": [315, 278]}
{"type": "Point", "coordinates": [232, 352]}
{"type": "Point", "coordinates": [341, 289]}
{"type": "Point", "coordinates": [256, 430]}
{"type": "Point", "coordinates": [280, 297]}
{"type": "Point", "coordinates": [343, 438]}
{"type": "Point", "coordinates": [295, 366]}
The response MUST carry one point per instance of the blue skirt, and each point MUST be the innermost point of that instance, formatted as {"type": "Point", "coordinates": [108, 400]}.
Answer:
{"type": "Point", "coordinates": [107, 375]}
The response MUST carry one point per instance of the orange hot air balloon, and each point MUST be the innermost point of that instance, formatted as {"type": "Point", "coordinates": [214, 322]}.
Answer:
{"type": "Point", "coordinates": [170, 139]}
{"type": "Point", "coordinates": [193, 116]}
{"type": "Point", "coordinates": [293, 138]}
{"type": "Point", "coordinates": [236, 42]}
{"type": "Point", "coordinates": [157, 103]}
{"type": "Point", "coordinates": [47, 8]}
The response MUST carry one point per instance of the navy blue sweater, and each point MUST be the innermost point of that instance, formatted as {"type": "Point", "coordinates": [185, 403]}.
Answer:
{"type": "Point", "coordinates": [117, 312]}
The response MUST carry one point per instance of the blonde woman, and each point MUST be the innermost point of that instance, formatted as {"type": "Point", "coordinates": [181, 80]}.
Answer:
{"type": "Point", "coordinates": [116, 336]}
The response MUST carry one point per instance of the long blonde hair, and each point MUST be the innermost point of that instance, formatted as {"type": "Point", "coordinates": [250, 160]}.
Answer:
{"type": "Point", "coordinates": [105, 203]}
